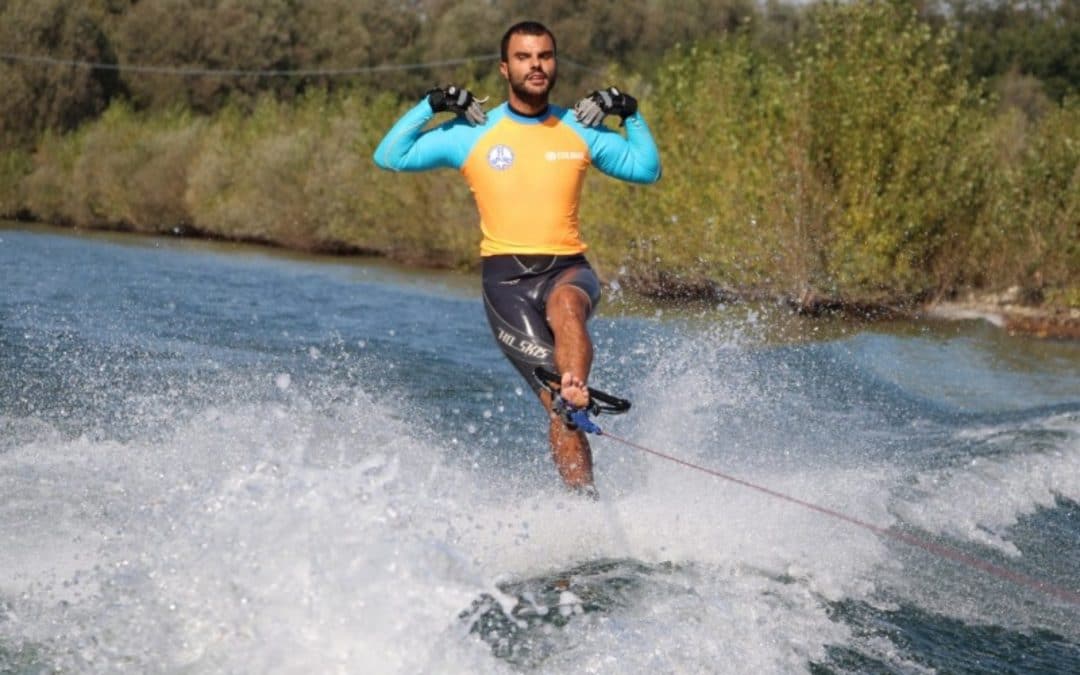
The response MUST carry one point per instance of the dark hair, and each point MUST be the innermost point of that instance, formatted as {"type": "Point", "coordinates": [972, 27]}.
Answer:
{"type": "Point", "coordinates": [523, 28]}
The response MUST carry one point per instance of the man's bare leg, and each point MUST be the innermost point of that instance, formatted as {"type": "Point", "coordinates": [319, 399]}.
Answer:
{"type": "Point", "coordinates": [567, 311]}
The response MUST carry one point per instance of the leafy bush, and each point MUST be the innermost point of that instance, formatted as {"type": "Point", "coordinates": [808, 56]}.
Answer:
{"type": "Point", "coordinates": [15, 165]}
{"type": "Point", "coordinates": [49, 190]}
{"type": "Point", "coordinates": [132, 172]}
{"type": "Point", "coordinates": [846, 176]}
{"type": "Point", "coordinates": [126, 171]}
{"type": "Point", "coordinates": [1030, 232]}
{"type": "Point", "coordinates": [722, 209]}
{"type": "Point", "coordinates": [302, 176]}
{"type": "Point", "coordinates": [889, 121]}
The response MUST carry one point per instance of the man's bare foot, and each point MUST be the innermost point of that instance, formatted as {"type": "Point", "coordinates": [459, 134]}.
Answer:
{"type": "Point", "coordinates": [574, 391]}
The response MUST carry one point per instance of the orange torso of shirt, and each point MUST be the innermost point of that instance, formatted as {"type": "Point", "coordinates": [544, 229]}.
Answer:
{"type": "Point", "coordinates": [526, 176]}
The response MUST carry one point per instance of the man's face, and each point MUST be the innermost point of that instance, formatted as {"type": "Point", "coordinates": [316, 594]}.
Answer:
{"type": "Point", "coordinates": [530, 67]}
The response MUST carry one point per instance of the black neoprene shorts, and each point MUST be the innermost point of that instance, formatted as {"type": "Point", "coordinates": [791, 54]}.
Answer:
{"type": "Point", "coordinates": [516, 289]}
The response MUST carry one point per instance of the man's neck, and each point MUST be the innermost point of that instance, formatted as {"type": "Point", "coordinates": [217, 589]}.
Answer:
{"type": "Point", "coordinates": [525, 107]}
{"type": "Point", "coordinates": [528, 111]}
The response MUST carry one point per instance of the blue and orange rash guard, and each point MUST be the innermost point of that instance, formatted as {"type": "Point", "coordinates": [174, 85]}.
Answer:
{"type": "Point", "coordinates": [525, 173]}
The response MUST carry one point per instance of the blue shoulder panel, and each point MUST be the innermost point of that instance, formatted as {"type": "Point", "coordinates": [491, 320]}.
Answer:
{"type": "Point", "coordinates": [407, 147]}
{"type": "Point", "coordinates": [633, 158]}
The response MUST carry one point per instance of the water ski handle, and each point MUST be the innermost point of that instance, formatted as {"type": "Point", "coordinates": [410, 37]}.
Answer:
{"type": "Point", "coordinates": [605, 402]}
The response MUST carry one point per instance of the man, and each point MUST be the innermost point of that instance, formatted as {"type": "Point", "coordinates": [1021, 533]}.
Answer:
{"type": "Point", "coordinates": [525, 162]}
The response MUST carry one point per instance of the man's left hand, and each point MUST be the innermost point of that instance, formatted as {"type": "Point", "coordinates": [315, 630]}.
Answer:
{"type": "Point", "coordinates": [592, 109]}
{"type": "Point", "coordinates": [459, 101]}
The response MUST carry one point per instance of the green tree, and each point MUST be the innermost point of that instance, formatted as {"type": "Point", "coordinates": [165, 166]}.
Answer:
{"type": "Point", "coordinates": [246, 38]}
{"type": "Point", "coordinates": [48, 93]}
{"type": "Point", "coordinates": [1040, 38]}
{"type": "Point", "coordinates": [203, 35]}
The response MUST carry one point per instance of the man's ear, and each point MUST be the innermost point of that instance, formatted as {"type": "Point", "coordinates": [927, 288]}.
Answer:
{"type": "Point", "coordinates": [504, 70]}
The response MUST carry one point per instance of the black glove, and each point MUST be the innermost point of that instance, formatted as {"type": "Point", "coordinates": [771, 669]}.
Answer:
{"type": "Point", "coordinates": [592, 109]}
{"type": "Point", "coordinates": [458, 101]}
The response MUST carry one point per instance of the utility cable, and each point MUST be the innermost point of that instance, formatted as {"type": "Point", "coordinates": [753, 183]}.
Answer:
{"type": "Point", "coordinates": [179, 71]}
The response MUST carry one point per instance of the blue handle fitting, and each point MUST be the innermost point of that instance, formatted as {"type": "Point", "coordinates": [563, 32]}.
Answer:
{"type": "Point", "coordinates": [574, 417]}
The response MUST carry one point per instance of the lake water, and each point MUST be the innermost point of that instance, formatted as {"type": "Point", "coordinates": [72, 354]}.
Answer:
{"type": "Point", "coordinates": [220, 459]}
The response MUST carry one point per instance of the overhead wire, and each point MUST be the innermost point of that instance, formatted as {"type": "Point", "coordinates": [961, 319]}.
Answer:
{"type": "Point", "coordinates": [184, 71]}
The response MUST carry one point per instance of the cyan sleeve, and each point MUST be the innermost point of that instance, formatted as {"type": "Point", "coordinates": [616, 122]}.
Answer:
{"type": "Point", "coordinates": [633, 158]}
{"type": "Point", "coordinates": [407, 147]}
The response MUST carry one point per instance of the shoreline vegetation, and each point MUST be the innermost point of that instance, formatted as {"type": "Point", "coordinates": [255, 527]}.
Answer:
{"type": "Point", "coordinates": [856, 167]}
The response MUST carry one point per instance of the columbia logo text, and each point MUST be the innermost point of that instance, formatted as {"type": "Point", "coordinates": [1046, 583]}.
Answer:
{"type": "Point", "coordinates": [556, 155]}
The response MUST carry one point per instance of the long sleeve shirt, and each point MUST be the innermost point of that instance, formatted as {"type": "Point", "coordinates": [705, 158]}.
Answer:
{"type": "Point", "coordinates": [525, 173]}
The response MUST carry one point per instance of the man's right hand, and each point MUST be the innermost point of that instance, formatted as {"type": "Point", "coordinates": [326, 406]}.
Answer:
{"type": "Point", "coordinates": [458, 101]}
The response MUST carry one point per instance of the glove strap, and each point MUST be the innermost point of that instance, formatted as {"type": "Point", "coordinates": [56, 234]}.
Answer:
{"type": "Point", "coordinates": [436, 97]}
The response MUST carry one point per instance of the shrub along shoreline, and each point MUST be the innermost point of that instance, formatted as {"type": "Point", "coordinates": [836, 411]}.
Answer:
{"type": "Point", "coordinates": [867, 177]}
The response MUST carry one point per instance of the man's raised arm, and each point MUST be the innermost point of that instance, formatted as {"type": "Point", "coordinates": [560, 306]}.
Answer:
{"type": "Point", "coordinates": [407, 147]}
{"type": "Point", "coordinates": [634, 158]}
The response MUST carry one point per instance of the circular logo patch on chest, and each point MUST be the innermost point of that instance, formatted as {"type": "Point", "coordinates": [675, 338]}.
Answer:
{"type": "Point", "coordinates": [500, 157]}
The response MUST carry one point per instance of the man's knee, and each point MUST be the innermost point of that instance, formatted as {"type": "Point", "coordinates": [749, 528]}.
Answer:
{"type": "Point", "coordinates": [568, 302]}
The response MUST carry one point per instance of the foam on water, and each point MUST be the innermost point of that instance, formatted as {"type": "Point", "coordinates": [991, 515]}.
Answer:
{"type": "Point", "coordinates": [306, 506]}
{"type": "Point", "coordinates": [980, 500]}
{"type": "Point", "coordinates": [295, 537]}
{"type": "Point", "coordinates": [264, 539]}
{"type": "Point", "coordinates": [985, 504]}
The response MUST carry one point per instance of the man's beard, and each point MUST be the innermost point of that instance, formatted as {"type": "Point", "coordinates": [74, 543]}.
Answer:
{"type": "Point", "coordinates": [532, 98]}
